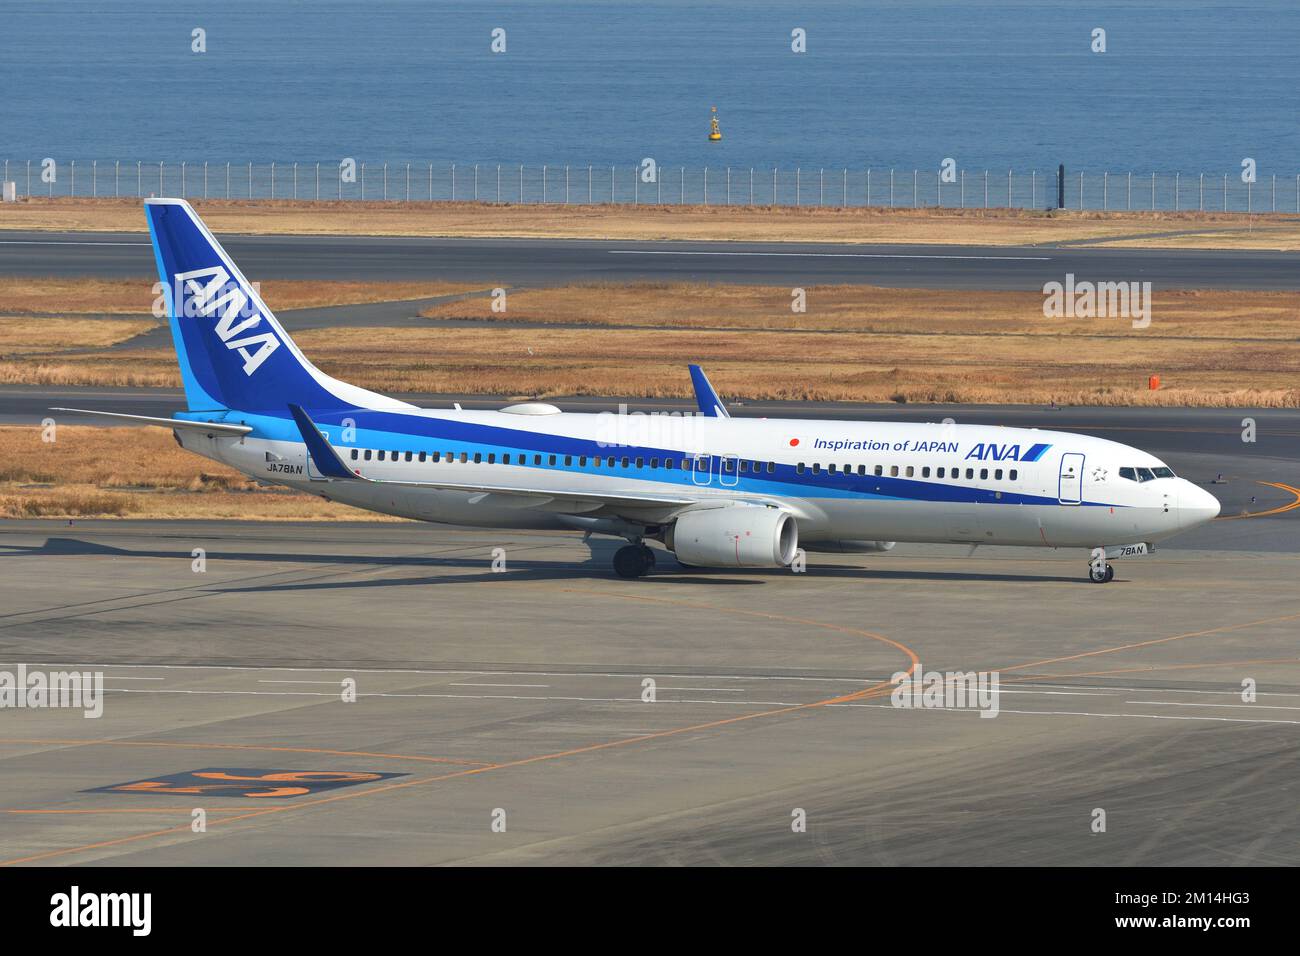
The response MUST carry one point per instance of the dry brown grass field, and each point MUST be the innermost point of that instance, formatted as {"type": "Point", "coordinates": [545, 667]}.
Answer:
{"type": "Point", "coordinates": [136, 473]}
{"type": "Point", "coordinates": [803, 224]}
{"type": "Point", "coordinates": [43, 295]}
{"type": "Point", "coordinates": [854, 343]}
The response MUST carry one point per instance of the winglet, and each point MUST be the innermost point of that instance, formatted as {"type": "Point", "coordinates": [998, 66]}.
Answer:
{"type": "Point", "coordinates": [708, 400]}
{"type": "Point", "coordinates": [326, 459]}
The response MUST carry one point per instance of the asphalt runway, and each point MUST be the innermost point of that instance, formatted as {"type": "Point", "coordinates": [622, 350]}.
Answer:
{"type": "Point", "coordinates": [538, 262]}
{"type": "Point", "coordinates": [519, 698]}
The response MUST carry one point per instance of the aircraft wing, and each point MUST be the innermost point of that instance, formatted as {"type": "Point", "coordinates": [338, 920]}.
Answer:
{"type": "Point", "coordinates": [656, 507]}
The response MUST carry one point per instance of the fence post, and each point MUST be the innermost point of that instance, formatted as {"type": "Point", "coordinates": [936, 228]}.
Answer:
{"type": "Point", "coordinates": [938, 188]}
{"type": "Point", "coordinates": [543, 184]}
{"type": "Point", "coordinates": [1200, 202]}
{"type": "Point", "coordinates": [363, 181]}
{"type": "Point", "coordinates": [1225, 192]}
{"type": "Point", "coordinates": [1105, 191]}
{"type": "Point", "coordinates": [1129, 200]}
{"type": "Point", "coordinates": [611, 185]}
{"type": "Point", "coordinates": [250, 180]}
{"type": "Point", "coordinates": [961, 191]}
{"type": "Point", "coordinates": [706, 185]}
{"type": "Point", "coordinates": [636, 187]}
{"type": "Point", "coordinates": [94, 179]}
{"type": "Point", "coordinates": [430, 177]}
{"type": "Point", "coordinates": [521, 184]}
{"type": "Point", "coordinates": [1177, 176]}
{"type": "Point", "coordinates": [318, 182]}
{"type": "Point", "coordinates": [728, 185]}
{"type": "Point", "coordinates": [1081, 189]}
{"type": "Point", "coordinates": [588, 185]}
{"type": "Point", "coordinates": [73, 181]}
{"type": "Point", "coordinates": [1274, 200]}
{"type": "Point", "coordinates": [205, 179]}
{"type": "Point", "coordinates": [295, 180]}
{"type": "Point", "coordinates": [566, 185]}
{"type": "Point", "coordinates": [498, 182]}
{"type": "Point", "coordinates": [1153, 191]}
{"type": "Point", "coordinates": [891, 188]}
{"type": "Point", "coordinates": [117, 163]}
{"type": "Point", "coordinates": [796, 185]}
{"type": "Point", "coordinates": [408, 180]}
{"type": "Point", "coordinates": [1009, 203]}
{"type": "Point", "coordinates": [986, 189]}
{"type": "Point", "coordinates": [844, 197]}
{"type": "Point", "coordinates": [821, 187]}
{"type": "Point", "coordinates": [773, 185]}
{"type": "Point", "coordinates": [868, 185]}
{"type": "Point", "coordinates": [227, 180]}
{"type": "Point", "coordinates": [385, 183]}
{"type": "Point", "coordinates": [272, 178]}
{"type": "Point", "coordinates": [916, 179]}
{"type": "Point", "coordinates": [340, 169]}
{"type": "Point", "coordinates": [1033, 189]}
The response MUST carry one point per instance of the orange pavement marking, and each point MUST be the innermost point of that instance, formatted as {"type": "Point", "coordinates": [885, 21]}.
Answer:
{"type": "Point", "coordinates": [1271, 511]}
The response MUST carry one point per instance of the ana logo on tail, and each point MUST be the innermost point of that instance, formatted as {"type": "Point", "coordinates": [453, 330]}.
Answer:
{"type": "Point", "coordinates": [208, 291]}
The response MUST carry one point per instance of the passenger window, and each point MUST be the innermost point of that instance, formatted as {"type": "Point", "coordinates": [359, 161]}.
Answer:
{"type": "Point", "coordinates": [910, 471]}
{"type": "Point", "coordinates": [970, 473]}
{"type": "Point", "coordinates": [879, 470]}
{"type": "Point", "coordinates": [408, 456]}
{"type": "Point", "coordinates": [997, 474]}
{"type": "Point", "coordinates": [423, 455]}
{"type": "Point", "coordinates": [505, 459]}
{"type": "Point", "coordinates": [831, 468]}
{"type": "Point", "coordinates": [464, 457]}
{"type": "Point", "coordinates": [478, 457]}
{"type": "Point", "coordinates": [817, 468]}
{"type": "Point", "coordinates": [862, 469]}
{"type": "Point", "coordinates": [568, 460]}
{"type": "Point", "coordinates": [1013, 474]}
{"type": "Point", "coordinates": [354, 454]}
{"type": "Point", "coordinates": [654, 462]}
{"type": "Point", "coordinates": [771, 467]}
{"type": "Point", "coordinates": [893, 471]}
{"type": "Point", "coordinates": [799, 468]}
{"type": "Point", "coordinates": [925, 472]}
{"type": "Point", "coordinates": [984, 474]}
{"type": "Point", "coordinates": [626, 462]}
{"type": "Point", "coordinates": [640, 462]}
{"type": "Point", "coordinates": [582, 461]}
{"type": "Point", "coordinates": [492, 458]}
{"type": "Point", "coordinates": [744, 467]}
{"type": "Point", "coordinates": [938, 473]}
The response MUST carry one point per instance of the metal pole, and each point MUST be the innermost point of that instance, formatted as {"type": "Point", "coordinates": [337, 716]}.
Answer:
{"type": "Point", "coordinates": [891, 189]}
{"type": "Point", "coordinates": [821, 187]}
{"type": "Point", "coordinates": [961, 190]}
{"type": "Point", "coordinates": [706, 185]}
{"type": "Point", "coordinates": [916, 179]}
{"type": "Point", "coordinates": [117, 163]}
{"type": "Point", "coordinates": [1080, 189]}
{"type": "Point", "coordinates": [868, 185]}
{"type": "Point", "coordinates": [751, 185]}
{"type": "Point", "coordinates": [1153, 191]}
{"type": "Point", "coordinates": [681, 199]}
{"type": "Point", "coordinates": [1105, 191]}
{"type": "Point", "coordinates": [94, 178]}
{"type": "Point", "coordinates": [498, 182]}
{"type": "Point", "coordinates": [205, 179]}
{"type": "Point", "coordinates": [1225, 192]}
{"type": "Point", "coordinates": [1009, 204]}
{"type": "Point", "coordinates": [250, 180]}
{"type": "Point", "coordinates": [1129, 201]}
{"type": "Point", "coordinates": [1176, 181]}
{"type": "Point", "coordinates": [385, 186]}
{"type": "Point", "coordinates": [1033, 189]}
{"type": "Point", "coordinates": [408, 179]}
{"type": "Point", "coordinates": [272, 178]}
{"type": "Point", "coordinates": [543, 184]}
{"type": "Point", "coordinates": [521, 184]}
{"type": "Point", "coordinates": [227, 180]}
{"type": "Point", "coordinates": [844, 198]}
{"type": "Point", "coordinates": [363, 181]}
{"type": "Point", "coordinates": [773, 185]}
{"type": "Point", "coordinates": [73, 181]}
{"type": "Point", "coordinates": [139, 178]}
{"type": "Point", "coordinates": [1200, 202]}
{"type": "Point", "coordinates": [566, 185]}
{"type": "Point", "coordinates": [986, 189]}
{"type": "Point", "coordinates": [796, 185]}
{"type": "Point", "coordinates": [1274, 200]}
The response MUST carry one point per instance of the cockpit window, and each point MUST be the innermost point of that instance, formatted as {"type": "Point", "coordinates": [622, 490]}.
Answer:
{"type": "Point", "coordinates": [1145, 474]}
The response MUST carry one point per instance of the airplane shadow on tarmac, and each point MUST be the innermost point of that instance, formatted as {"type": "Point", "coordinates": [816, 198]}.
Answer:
{"type": "Point", "coordinates": [596, 566]}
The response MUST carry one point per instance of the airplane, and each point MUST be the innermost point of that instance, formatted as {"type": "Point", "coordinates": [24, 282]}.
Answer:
{"type": "Point", "coordinates": [714, 491]}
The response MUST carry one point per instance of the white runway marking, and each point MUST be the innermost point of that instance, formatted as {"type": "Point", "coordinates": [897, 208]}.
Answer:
{"type": "Point", "coordinates": [57, 242]}
{"type": "Point", "coordinates": [824, 255]}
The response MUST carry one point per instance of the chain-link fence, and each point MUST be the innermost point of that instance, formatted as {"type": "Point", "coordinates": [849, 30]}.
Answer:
{"type": "Point", "coordinates": [648, 183]}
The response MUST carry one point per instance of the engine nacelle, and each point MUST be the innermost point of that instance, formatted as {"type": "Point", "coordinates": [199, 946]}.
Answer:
{"type": "Point", "coordinates": [741, 536]}
{"type": "Point", "coordinates": [847, 547]}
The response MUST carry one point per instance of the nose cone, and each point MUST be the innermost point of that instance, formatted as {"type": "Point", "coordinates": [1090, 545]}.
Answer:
{"type": "Point", "coordinates": [1196, 505]}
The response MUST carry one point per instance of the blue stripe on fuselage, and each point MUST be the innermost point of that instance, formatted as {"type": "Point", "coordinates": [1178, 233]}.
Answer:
{"type": "Point", "coordinates": [394, 431]}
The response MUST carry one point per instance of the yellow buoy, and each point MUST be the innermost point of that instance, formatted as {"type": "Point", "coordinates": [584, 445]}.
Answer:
{"type": "Point", "coordinates": [715, 134]}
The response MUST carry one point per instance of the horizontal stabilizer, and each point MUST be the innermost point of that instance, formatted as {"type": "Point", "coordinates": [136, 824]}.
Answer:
{"type": "Point", "coordinates": [220, 428]}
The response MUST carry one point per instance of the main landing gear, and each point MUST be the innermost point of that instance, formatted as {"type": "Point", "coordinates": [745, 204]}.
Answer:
{"type": "Point", "coordinates": [1098, 576]}
{"type": "Point", "coordinates": [633, 561]}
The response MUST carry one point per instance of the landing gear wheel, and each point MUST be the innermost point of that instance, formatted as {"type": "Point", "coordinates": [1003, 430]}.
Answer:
{"type": "Point", "coordinates": [1103, 577]}
{"type": "Point", "coordinates": [633, 561]}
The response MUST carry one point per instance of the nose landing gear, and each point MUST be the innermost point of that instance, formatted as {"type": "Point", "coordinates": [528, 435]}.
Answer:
{"type": "Point", "coordinates": [1098, 576]}
{"type": "Point", "coordinates": [633, 561]}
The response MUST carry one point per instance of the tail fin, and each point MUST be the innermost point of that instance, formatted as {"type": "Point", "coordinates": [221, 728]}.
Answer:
{"type": "Point", "coordinates": [233, 353]}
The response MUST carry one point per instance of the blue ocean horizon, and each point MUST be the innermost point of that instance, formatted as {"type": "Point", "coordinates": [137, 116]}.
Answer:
{"type": "Point", "coordinates": [1192, 86]}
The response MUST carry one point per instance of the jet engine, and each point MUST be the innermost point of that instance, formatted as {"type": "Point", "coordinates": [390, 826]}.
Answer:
{"type": "Point", "coordinates": [740, 536]}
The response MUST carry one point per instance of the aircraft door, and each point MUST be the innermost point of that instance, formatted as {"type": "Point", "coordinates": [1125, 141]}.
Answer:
{"type": "Point", "coordinates": [702, 469]}
{"type": "Point", "coordinates": [1071, 481]}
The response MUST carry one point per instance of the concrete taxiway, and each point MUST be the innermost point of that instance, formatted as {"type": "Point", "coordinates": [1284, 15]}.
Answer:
{"type": "Point", "coordinates": [534, 262]}
{"type": "Point", "coordinates": [520, 697]}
